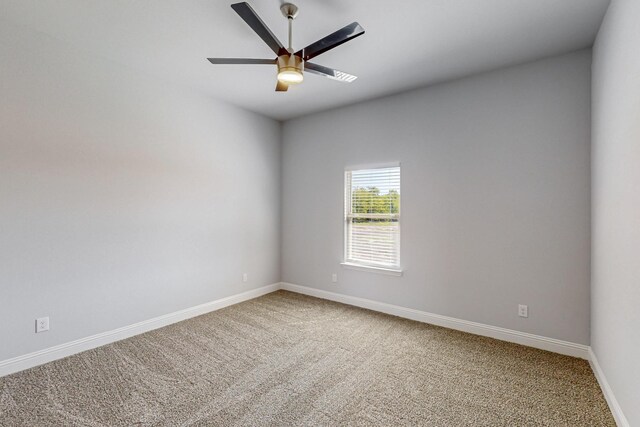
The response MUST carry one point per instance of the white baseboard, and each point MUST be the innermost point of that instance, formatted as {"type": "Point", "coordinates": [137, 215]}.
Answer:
{"type": "Point", "coordinates": [616, 410]}
{"type": "Point", "coordinates": [40, 357]}
{"type": "Point", "coordinates": [531, 340]}
{"type": "Point", "coordinates": [50, 354]}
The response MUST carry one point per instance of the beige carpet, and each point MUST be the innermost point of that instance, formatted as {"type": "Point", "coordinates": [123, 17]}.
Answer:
{"type": "Point", "coordinates": [288, 359]}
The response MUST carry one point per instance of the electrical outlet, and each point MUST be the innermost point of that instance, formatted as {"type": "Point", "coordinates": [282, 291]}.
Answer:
{"type": "Point", "coordinates": [245, 277]}
{"type": "Point", "coordinates": [523, 310]}
{"type": "Point", "coordinates": [42, 324]}
{"type": "Point", "coordinates": [334, 278]}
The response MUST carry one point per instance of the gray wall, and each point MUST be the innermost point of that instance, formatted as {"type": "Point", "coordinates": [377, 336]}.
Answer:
{"type": "Point", "coordinates": [125, 197]}
{"type": "Point", "coordinates": [121, 197]}
{"type": "Point", "coordinates": [495, 196]}
{"type": "Point", "coordinates": [615, 287]}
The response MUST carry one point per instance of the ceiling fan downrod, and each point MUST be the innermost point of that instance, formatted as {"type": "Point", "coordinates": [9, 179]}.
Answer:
{"type": "Point", "coordinates": [290, 11]}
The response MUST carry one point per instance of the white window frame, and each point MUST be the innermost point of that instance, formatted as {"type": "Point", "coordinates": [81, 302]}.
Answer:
{"type": "Point", "coordinates": [393, 270]}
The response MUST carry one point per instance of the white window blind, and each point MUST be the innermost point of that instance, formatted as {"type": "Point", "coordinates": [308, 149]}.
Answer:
{"type": "Point", "coordinates": [372, 217]}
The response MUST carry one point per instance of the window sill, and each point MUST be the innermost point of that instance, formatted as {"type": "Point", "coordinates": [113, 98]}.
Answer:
{"type": "Point", "coordinates": [370, 269]}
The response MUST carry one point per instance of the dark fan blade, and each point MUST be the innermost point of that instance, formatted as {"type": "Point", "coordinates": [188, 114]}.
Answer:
{"type": "Point", "coordinates": [241, 61]}
{"type": "Point", "coordinates": [251, 17]}
{"type": "Point", "coordinates": [329, 72]}
{"type": "Point", "coordinates": [282, 87]}
{"type": "Point", "coordinates": [343, 35]}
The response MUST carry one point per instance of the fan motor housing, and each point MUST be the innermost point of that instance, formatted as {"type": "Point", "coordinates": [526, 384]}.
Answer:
{"type": "Point", "coordinates": [290, 64]}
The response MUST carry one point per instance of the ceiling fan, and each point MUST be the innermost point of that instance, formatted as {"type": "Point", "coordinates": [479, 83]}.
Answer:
{"type": "Point", "coordinates": [291, 64]}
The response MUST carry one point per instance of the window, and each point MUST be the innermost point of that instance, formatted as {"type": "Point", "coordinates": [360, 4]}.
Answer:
{"type": "Point", "coordinates": [372, 217]}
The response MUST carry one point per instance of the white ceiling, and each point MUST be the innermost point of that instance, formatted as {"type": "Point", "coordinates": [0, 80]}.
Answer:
{"type": "Point", "coordinates": [407, 44]}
